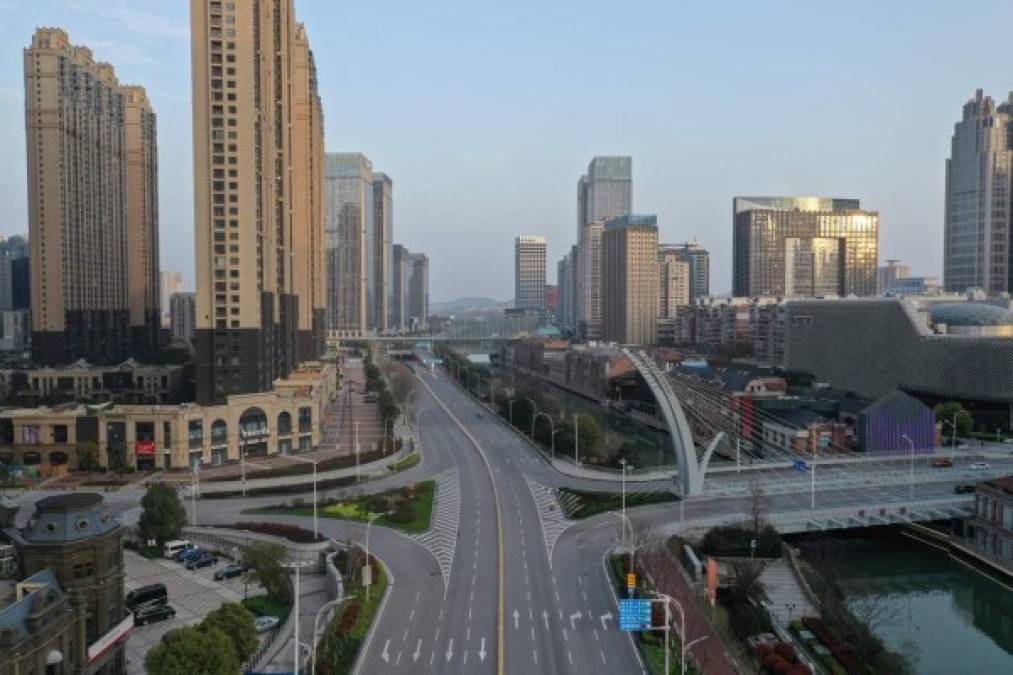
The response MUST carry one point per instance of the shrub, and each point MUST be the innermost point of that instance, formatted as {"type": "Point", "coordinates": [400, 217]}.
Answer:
{"type": "Point", "coordinates": [786, 651]}
{"type": "Point", "coordinates": [404, 513]}
{"type": "Point", "coordinates": [800, 669]}
{"type": "Point", "coordinates": [762, 651]}
{"type": "Point", "coordinates": [745, 620]}
{"type": "Point", "coordinates": [771, 662]}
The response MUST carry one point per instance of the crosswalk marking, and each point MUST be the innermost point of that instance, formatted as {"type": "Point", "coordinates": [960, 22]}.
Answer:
{"type": "Point", "coordinates": [441, 537]}
{"type": "Point", "coordinates": [550, 514]}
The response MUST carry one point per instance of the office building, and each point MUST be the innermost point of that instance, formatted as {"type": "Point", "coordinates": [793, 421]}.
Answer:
{"type": "Point", "coordinates": [566, 271]}
{"type": "Point", "coordinates": [383, 222]}
{"type": "Point", "coordinates": [183, 308]}
{"type": "Point", "coordinates": [13, 287]}
{"type": "Point", "coordinates": [893, 271]}
{"type": "Point", "coordinates": [17, 330]}
{"type": "Point", "coordinates": [673, 282]}
{"type": "Point", "coordinates": [803, 246]}
{"type": "Point", "coordinates": [67, 614]}
{"type": "Point", "coordinates": [94, 252]}
{"type": "Point", "coordinates": [529, 272]}
{"type": "Point", "coordinates": [698, 259]}
{"type": "Point", "coordinates": [398, 288]}
{"type": "Point", "coordinates": [417, 265]}
{"type": "Point", "coordinates": [630, 293]}
{"type": "Point", "coordinates": [604, 192]}
{"type": "Point", "coordinates": [350, 238]}
{"type": "Point", "coordinates": [170, 282]}
{"type": "Point", "coordinates": [257, 132]}
{"type": "Point", "coordinates": [977, 220]}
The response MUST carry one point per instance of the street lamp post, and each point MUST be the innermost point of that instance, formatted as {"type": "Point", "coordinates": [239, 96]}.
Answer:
{"type": "Point", "coordinates": [356, 451]}
{"type": "Point", "coordinates": [534, 413]}
{"type": "Point", "coordinates": [576, 440]}
{"type": "Point", "coordinates": [682, 629]}
{"type": "Point", "coordinates": [316, 627]}
{"type": "Point", "coordinates": [911, 477]}
{"type": "Point", "coordinates": [556, 431]}
{"type": "Point", "coordinates": [194, 487]}
{"type": "Point", "coordinates": [296, 564]}
{"type": "Point", "coordinates": [552, 429]}
{"type": "Point", "coordinates": [622, 463]}
{"type": "Point", "coordinates": [510, 404]}
{"type": "Point", "coordinates": [307, 460]}
{"type": "Point", "coordinates": [369, 521]}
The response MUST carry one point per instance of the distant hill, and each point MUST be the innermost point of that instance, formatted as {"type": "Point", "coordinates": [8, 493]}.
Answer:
{"type": "Point", "coordinates": [465, 305]}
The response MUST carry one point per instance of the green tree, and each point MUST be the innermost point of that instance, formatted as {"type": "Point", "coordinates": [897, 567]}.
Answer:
{"type": "Point", "coordinates": [118, 459]}
{"type": "Point", "coordinates": [264, 559]}
{"type": "Point", "coordinates": [945, 413]}
{"type": "Point", "coordinates": [236, 623]}
{"type": "Point", "coordinates": [193, 651]}
{"type": "Point", "coordinates": [589, 435]}
{"type": "Point", "coordinates": [162, 514]}
{"type": "Point", "coordinates": [87, 456]}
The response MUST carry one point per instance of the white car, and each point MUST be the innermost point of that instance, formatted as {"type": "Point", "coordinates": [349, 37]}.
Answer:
{"type": "Point", "coordinates": [265, 623]}
{"type": "Point", "coordinates": [978, 466]}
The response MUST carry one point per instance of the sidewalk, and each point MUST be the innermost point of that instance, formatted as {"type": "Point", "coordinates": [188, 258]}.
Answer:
{"type": "Point", "coordinates": [787, 598]}
{"type": "Point", "coordinates": [279, 658]}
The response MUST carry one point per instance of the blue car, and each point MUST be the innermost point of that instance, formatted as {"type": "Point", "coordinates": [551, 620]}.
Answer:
{"type": "Point", "coordinates": [188, 554]}
{"type": "Point", "coordinates": [204, 560]}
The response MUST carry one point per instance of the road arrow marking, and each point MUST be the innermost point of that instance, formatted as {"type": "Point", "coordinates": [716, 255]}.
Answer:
{"type": "Point", "coordinates": [418, 650]}
{"type": "Point", "coordinates": [481, 651]}
{"type": "Point", "coordinates": [450, 650]}
{"type": "Point", "coordinates": [545, 618]}
{"type": "Point", "coordinates": [573, 620]}
{"type": "Point", "coordinates": [517, 616]}
{"type": "Point", "coordinates": [385, 655]}
{"type": "Point", "coordinates": [606, 617]}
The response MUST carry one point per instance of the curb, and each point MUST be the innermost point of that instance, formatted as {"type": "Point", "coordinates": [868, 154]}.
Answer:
{"type": "Point", "coordinates": [376, 619]}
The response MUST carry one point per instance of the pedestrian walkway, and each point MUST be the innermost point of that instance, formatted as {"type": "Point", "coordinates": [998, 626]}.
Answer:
{"type": "Point", "coordinates": [787, 598]}
{"type": "Point", "coordinates": [441, 537]}
{"type": "Point", "coordinates": [554, 522]}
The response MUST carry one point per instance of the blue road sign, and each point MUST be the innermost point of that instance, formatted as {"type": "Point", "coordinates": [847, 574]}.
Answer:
{"type": "Point", "coordinates": [800, 465]}
{"type": "Point", "coordinates": [634, 615]}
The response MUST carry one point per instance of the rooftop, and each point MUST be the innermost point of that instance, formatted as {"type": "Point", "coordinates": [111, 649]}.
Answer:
{"type": "Point", "coordinates": [970, 314]}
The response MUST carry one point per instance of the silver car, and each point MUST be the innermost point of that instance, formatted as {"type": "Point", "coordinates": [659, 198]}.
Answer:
{"type": "Point", "coordinates": [266, 623]}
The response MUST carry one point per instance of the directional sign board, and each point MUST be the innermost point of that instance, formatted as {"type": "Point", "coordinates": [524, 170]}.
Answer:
{"type": "Point", "coordinates": [634, 615]}
{"type": "Point", "coordinates": [800, 465]}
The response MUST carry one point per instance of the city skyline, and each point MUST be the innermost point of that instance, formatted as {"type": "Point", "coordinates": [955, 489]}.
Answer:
{"type": "Point", "coordinates": [909, 142]}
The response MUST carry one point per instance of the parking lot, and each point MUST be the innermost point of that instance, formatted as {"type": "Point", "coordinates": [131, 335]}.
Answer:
{"type": "Point", "coordinates": [191, 594]}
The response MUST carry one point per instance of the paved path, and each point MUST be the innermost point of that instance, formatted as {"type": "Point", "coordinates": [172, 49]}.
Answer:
{"type": "Point", "coordinates": [787, 598]}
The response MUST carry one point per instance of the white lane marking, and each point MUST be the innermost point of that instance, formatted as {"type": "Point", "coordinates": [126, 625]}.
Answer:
{"type": "Point", "coordinates": [566, 635]}
{"type": "Point", "coordinates": [481, 651]}
{"type": "Point", "coordinates": [569, 657]}
{"type": "Point", "coordinates": [602, 652]}
{"type": "Point", "coordinates": [545, 618]}
{"type": "Point", "coordinates": [441, 537]}
{"type": "Point", "coordinates": [517, 617]}
{"type": "Point", "coordinates": [573, 621]}
{"type": "Point", "coordinates": [596, 635]}
{"type": "Point", "coordinates": [550, 514]}
{"type": "Point", "coordinates": [450, 650]}
{"type": "Point", "coordinates": [606, 617]}
{"type": "Point", "coordinates": [385, 655]}
{"type": "Point", "coordinates": [404, 638]}
{"type": "Point", "coordinates": [418, 651]}
{"type": "Point", "coordinates": [534, 655]}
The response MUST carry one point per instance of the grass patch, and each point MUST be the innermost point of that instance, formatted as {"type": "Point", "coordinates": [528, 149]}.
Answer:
{"type": "Point", "coordinates": [343, 637]}
{"type": "Point", "coordinates": [409, 509]}
{"type": "Point", "coordinates": [579, 504]}
{"type": "Point", "coordinates": [262, 605]}
{"type": "Point", "coordinates": [406, 463]}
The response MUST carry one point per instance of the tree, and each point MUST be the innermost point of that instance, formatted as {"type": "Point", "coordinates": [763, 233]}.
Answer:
{"type": "Point", "coordinates": [118, 459]}
{"type": "Point", "coordinates": [264, 560]}
{"type": "Point", "coordinates": [162, 515]}
{"type": "Point", "coordinates": [236, 623]}
{"type": "Point", "coordinates": [758, 504]}
{"type": "Point", "coordinates": [747, 577]}
{"type": "Point", "coordinates": [589, 435]}
{"type": "Point", "coordinates": [193, 651]}
{"type": "Point", "coordinates": [87, 456]}
{"type": "Point", "coordinates": [945, 414]}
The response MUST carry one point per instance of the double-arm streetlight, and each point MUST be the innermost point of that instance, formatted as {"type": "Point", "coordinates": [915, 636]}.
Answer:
{"type": "Point", "coordinates": [552, 428]}
{"type": "Point", "coordinates": [682, 632]}
{"type": "Point", "coordinates": [623, 464]}
{"type": "Point", "coordinates": [307, 460]}
{"type": "Point", "coordinates": [297, 565]}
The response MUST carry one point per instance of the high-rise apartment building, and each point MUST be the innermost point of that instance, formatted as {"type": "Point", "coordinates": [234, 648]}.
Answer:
{"type": "Point", "coordinates": [563, 290]}
{"type": "Point", "coordinates": [529, 272]}
{"type": "Point", "coordinates": [13, 287]}
{"type": "Point", "coordinates": [978, 220]}
{"type": "Point", "coordinates": [258, 139]}
{"type": "Point", "coordinates": [92, 204]}
{"type": "Point", "coordinates": [630, 254]}
{"type": "Point", "coordinates": [892, 271]}
{"type": "Point", "coordinates": [350, 238]}
{"type": "Point", "coordinates": [183, 308]}
{"type": "Point", "coordinates": [383, 242]}
{"type": "Point", "coordinates": [418, 291]}
{"type": "Point", "coordinates": [604, 192]}
{"type": "Point", "coordinates": [673, 282]}
{"type": "Point", "coordinates": [803, 246]}
{"type": "Point", "coordinates": [170, 282]}
{"type": "Point", "coordinates": [698, 259]}
{"type": "Point", "coordinates": [398, 288]}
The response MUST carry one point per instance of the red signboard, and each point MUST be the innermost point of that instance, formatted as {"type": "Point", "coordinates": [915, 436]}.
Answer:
{"type": "Point", "coordinates": [144, 448]}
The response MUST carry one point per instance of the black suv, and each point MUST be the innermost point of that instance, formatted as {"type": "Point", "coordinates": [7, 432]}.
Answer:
{"type": "Point", "coordinates": [152, 594]}
{"type": "Point", "coordinates": [149, 613]}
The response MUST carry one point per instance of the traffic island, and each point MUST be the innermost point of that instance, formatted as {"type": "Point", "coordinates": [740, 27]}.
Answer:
{"type": "Point", "coordinates": [349, 629]}
{"type": "Point", "coordinates": [579, 504]}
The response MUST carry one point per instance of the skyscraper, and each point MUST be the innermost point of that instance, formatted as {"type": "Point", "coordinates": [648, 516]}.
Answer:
{"type": "Point", "coordinates": [418, 291]}
{"type": "Point", "coordinates": [257, 133]}
{"type": "Point", "coordinates": [398, 288]}
{"type": "Point", "coordinates": [12, 251]}
{"type": "Point", "coordinates": [93, 207]}
{"type": "Point", "coordinates": [170, 281]}
{"type": "Point", "coordinates": [698, 259]}
{"type": "Point", "coordinates": [183, 308]}
{"type": "Point", "coordinates": [630, 254]}
{"type": "Point", "coordinates": [529, 272]}
{"type": "Point", "coordinates": [604, 192]}
{"type": "Point", "coordinates": [978, 222]}
{"type": "Point", "coordinates": [383, 223]}
{"type": "Point", "coordinates": [350, 240]}
{"type": "Point", "coordinates": [673, 282]}
{"type": "Point", "coordinates": [803, 246]}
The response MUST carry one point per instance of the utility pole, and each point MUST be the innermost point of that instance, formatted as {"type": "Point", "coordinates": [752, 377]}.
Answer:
{"type": "Point", "coordinates": [576, 440]}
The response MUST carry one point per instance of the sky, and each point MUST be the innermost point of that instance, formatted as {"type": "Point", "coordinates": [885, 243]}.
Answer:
{"type": "Point", "coordinates": [485, 113]}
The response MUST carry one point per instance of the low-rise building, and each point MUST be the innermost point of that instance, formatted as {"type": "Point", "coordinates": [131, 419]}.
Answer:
{"type": "Point", "coordinates": [990, 531]}
{"type": "Point", "coordinates": [128, 383]}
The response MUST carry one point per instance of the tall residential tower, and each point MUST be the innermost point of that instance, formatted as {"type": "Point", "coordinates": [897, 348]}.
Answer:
{"type": "Point", "coordinates": [630, 289]}
{"type": "Point", "coordinates": [529, 272]}
{"type": "Point", "coordinates": [258, 139]}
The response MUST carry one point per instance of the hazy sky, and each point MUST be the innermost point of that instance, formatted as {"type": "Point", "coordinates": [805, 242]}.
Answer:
{"type": "Point", "coordinates": [484, 113]}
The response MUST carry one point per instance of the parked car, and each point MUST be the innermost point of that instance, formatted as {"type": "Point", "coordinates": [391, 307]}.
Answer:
{"type": "Point", "coordinates": [149, 613]}
{"type": "Point", "coordinates": [230, 571]}
{"type": "Point", "coordinates": [186, 554]}
{"type": "Point", "coordinates": [942, 462]}
{"type": "Point", "coordinates": [171, 549]}
{"type": "Point", "coordinates": [204, 560]}
{"type": "Point", "coordinates": [152, 594]}
{"type": "Point", "coordinates": [266, 623]}
{"type": "Point", "coordinates": [963, 489]}
{"type": "Point", "coordinates": [978, 466]}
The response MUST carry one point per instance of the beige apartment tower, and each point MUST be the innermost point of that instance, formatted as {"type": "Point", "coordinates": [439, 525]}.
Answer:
{"type": "Point", "coordinates": [258, 145]}
{"type": "Point", "coordinates": [673, 282]}
{"type": "Point", "coordinates": [92, 204]}
{"type": "Point", "coordinates": [630, 279]}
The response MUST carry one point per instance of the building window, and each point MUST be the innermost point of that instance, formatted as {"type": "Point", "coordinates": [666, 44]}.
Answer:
{"type": "Point", "coordinates": [59, 433]}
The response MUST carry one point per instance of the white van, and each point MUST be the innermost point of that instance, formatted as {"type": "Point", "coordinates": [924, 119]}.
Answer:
{"type": "Point", "coordinates": [171, 548]}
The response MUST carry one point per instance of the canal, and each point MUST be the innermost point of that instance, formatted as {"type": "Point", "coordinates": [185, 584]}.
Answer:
{"type": "Point", "coordinates": [947, 617]}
